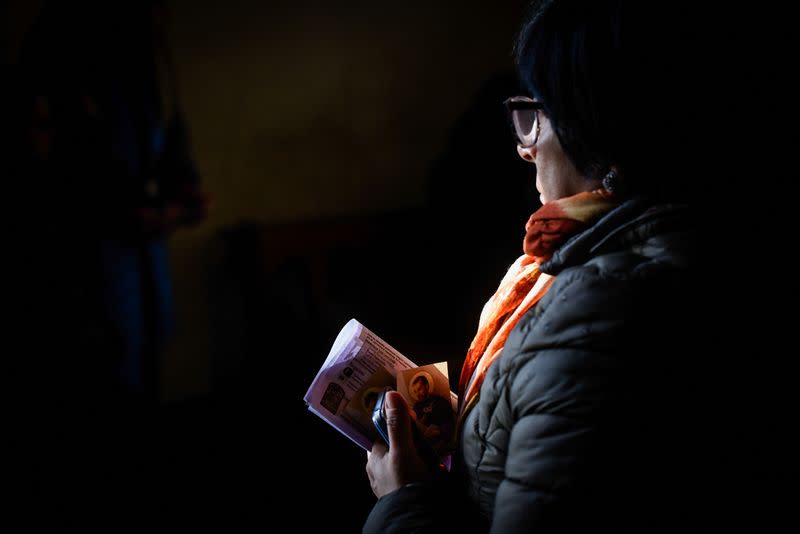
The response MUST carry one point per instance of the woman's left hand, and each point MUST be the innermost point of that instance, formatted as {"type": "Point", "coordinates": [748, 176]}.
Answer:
{"type": "Point", "coordinates": [390, 468]}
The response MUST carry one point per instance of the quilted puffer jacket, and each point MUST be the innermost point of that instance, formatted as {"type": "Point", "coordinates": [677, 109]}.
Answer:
{"type": "Point", "coordinates": [584, 422]}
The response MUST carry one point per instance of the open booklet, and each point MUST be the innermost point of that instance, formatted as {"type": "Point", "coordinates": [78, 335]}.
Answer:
{"type": "Point", "coordinates": [359, 366]}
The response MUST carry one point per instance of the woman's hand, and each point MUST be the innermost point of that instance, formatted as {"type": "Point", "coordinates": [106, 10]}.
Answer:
{"type": "Point", "coordinates": [390, 468]}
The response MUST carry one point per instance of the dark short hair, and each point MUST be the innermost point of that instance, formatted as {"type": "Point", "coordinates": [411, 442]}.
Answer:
{"type": "Point", "coordinates": [605, 71]}
{"type": "Point", "coordinates": [421, 378]}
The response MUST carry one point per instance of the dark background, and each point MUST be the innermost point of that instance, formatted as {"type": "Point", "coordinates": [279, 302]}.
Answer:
{"type": "Point", "coordinates": [359, 165]}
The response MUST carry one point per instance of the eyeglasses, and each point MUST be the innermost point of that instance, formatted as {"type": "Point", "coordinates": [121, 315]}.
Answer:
{"type": "Point", "coordinates": [523, 114]}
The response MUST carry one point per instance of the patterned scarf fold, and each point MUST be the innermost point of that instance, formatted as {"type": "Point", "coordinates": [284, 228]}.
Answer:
{"type": "Point", "coordinates": [524, 284]}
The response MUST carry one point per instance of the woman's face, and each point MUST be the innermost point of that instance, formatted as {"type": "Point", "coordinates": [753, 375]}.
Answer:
{"type": "Point", "coordinates": [419, 389]}
{"type": "Point", "coordinates": [556, 176]}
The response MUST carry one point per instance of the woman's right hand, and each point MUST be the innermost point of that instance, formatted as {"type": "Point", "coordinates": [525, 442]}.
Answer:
{"type": "Point", "coordinates": [390, 468]}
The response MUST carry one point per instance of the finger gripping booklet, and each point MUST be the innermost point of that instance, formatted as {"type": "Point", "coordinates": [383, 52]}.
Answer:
{"type": "Point", "coordinates": [359, 366]}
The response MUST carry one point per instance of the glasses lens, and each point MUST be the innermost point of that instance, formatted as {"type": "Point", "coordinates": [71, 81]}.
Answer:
{"type": "Point", "coordinates": [526, 125]}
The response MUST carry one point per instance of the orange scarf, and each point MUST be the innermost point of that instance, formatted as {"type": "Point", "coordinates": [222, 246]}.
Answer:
{"type": "Point", "coordinates": [524, 284]}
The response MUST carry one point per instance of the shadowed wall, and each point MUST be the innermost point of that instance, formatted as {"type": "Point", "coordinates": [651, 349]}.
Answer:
{"type": "Point", "coordinates": [300, 110]}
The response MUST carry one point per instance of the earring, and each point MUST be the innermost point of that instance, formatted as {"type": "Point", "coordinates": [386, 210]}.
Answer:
{"type": "Point", "coordinates": [611, 181]}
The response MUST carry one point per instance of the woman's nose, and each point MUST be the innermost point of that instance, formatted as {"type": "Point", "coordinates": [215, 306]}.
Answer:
{"type": "Point", "coordinates": [528, 154]}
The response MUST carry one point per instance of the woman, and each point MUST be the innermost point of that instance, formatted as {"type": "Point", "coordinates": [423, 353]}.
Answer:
{"type": "Point", "coordinates": [570, 408]}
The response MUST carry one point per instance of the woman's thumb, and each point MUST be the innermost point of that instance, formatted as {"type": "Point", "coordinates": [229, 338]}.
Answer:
{"type": "Point", "coordinates": [398, 420]}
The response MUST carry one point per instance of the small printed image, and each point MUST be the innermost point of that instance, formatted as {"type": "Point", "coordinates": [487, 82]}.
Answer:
{"type": "Point", "coordinates": [427, 391]}
{"type": "Point", "coordinates": [332, 397]}
{"type": "Point", "coordinates": [359, 410]}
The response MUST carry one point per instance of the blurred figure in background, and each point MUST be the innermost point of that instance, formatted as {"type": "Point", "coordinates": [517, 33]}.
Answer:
{"type": "Point", "coordinates": [106, 153]}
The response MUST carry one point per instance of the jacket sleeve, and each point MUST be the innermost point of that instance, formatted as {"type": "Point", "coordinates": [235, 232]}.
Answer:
{"type": "Point", "coordinates": [560, 383]}
{"type": "Point", "coordinates": [411, 508]}
{"type": "Point", "coordinates": [423, 508]}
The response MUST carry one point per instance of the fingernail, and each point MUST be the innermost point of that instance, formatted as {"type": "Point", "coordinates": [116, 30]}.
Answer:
{"type": "Point", "coordinates": [392, 401]}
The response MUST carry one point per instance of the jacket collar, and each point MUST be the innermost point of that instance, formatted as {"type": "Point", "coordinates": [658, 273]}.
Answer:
{"type": "Point", "coordinates": [635, 220]}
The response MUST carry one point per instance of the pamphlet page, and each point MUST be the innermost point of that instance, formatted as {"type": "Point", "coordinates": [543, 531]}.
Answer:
{"type": "Point", "coordinates": [358, 367]}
